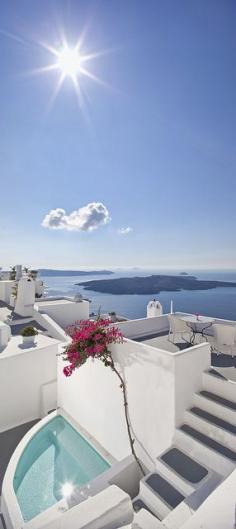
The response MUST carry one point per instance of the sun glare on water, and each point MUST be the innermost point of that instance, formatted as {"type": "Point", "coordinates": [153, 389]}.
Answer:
{"type": "Point", "coordinates": [67, 490]}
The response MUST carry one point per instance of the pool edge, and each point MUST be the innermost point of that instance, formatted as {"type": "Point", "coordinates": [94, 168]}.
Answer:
{"type": "Point", "coordinates": [9, 505]}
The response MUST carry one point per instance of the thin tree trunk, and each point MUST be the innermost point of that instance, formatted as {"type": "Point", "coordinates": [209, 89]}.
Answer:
{"type": "Point", "coordinates": [131, 440]}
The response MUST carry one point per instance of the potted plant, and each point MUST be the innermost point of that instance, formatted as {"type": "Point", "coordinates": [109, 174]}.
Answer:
{"type": "Point", "coordinates": [112, 316]}
{"type": "Point", "coordinates": [28, 334]}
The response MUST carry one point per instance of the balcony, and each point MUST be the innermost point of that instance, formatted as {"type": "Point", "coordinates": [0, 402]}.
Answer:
{"type": "Point", "coordinates": [155, 333]}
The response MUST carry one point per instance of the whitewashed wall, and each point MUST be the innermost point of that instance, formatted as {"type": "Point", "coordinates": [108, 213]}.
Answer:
{"type": "Point", "coordinates": [52, 328]}
{"type": "Point", "coordinates": [218, 511]}
{"type": "Point", "coordinates": [22, 379]}
{"type": "Point", "coordinates": [159, 390]}
{"type": "Point", "coordinates": [65, 314]}
{"type": "Point", "coordinates": [144, 326]}
{"type": "Point", "coordinates": [189, 366]}
{"type": "Point", "coordinates": [5, 290]}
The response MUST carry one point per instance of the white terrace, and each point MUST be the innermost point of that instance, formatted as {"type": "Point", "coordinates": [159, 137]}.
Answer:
{"type": "Point", "coordinates": [179, 331]}
{"type": "Point", "coordinates": [183, 415]}
{"type": "Point", "coordinates": [182, 410]}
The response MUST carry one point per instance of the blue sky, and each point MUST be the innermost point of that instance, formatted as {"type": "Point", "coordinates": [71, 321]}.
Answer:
{"type": "Point", "coordinates": [156, 148]}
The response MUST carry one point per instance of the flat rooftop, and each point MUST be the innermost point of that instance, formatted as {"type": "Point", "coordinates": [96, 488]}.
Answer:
{"type": "Point", "coordinates": [54, 302]}
{"type": "Point", "coordinates": [5, 311]}
{"type": "Point", "coordinates": [17, 323]}
{"type": "Point", "coordinates": [15, 346]}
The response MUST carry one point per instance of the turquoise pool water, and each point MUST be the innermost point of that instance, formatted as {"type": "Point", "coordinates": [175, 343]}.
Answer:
{"type": "Point", "coordinates": [56, 459]}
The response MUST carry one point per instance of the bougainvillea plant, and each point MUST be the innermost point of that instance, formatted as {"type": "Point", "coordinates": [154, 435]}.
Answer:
{"type": "Point", "coordinates": [92, 340]}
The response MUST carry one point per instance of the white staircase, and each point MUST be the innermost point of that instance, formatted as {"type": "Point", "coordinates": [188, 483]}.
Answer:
{"type": "Point", "coordinates": [209, 424]}
{"type": "Point", "coordinates": [144, 520]}
{"type": "Point", "coordinates": [202, 455]}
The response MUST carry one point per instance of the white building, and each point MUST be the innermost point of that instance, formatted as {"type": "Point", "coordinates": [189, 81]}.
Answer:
{"type": "Point", "coordinates": [182, 411]}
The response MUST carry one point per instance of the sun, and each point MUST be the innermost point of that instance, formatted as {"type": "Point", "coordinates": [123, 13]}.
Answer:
{"type": "Point", "coordinates": [69, 62]}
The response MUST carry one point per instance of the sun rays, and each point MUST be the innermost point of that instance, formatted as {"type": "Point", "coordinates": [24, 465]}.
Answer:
{"type": "Point", "coordinates": [66, 61]}
{"type": "Point", "coordinates": [70, 63]}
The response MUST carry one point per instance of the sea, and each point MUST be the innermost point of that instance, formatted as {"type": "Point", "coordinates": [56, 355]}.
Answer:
{"type": "Point", "coordinates": [219, 302]}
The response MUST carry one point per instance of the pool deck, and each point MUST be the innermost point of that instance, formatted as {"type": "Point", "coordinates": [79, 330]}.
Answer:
{"type": "Point", "coordinates": [8, 443]}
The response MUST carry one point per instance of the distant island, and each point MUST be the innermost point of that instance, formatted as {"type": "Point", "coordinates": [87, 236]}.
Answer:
{"type": "Point", "coordinates": [153, 284]}
{"type": "Point", "coordinates": [57, 273]}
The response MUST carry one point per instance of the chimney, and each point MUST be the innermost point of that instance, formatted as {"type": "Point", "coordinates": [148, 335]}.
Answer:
{"type": "Point", "coordinates": [25, 297]}
{"type": "Point", "coordinates": [154, 308]}
{"type": "Point", "coordinates": [18, 272]}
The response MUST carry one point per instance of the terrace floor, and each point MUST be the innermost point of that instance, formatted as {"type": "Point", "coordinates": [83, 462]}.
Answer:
{"type": "Point", "coordinates": [16, 347]}
{"type": "Point", "coordinates": [47, 302]}
{"type": "Point", "coordinates": [5, 311]}
{"type": "Point", "coordinates": [161, 341]}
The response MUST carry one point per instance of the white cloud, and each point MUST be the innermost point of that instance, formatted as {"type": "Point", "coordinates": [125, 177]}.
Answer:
{"type": "Point", "coordinates": [125, 231]}
{"type": "Point", "coordinates": [87, 218]}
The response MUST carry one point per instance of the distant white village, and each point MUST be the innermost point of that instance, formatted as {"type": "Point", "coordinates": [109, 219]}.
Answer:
{"type": "Point", "coordinates": [66, 459]}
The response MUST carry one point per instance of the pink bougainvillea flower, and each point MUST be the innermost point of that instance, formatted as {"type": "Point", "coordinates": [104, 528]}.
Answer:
{"type": "Point", "coordinates": [89, 339]}
{"type": "Point", "coordinates": [68, 371]}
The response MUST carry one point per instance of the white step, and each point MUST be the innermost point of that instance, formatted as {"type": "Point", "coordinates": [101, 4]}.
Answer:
{"type": "Point", "coordinates": [211, 430]}
{"type": "Point", "coordinates": [161, 496]}
{"type": "Point", "coordinates": [198, 497]}
{"type": "Point", "coordinates": [139, 503]}
{"type": "Point", "coordinates": [144, 520]}
{"type": "Point", "coordinates": [215, 408]}
{"type": "Point", "coordinates": [177, 517]}
{"type": "Point", "coordinates": [153, 501]}
{"type": "Point", "coordinates": [175, 479]}
{"type": "Point", "coordinates": [215, 384]}
{"type": "Point", "coordinates": [202, 453]}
